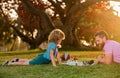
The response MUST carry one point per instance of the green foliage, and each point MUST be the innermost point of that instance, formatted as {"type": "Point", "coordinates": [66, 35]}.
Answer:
{"type": "Point", "coordinates": [35, 21]}
{"type": "Point", "coordinates": [12, 53]}
{"type": "Point", "coordinates": [7, 34]}
{"type": "Point", "coordinates": [83, 48]}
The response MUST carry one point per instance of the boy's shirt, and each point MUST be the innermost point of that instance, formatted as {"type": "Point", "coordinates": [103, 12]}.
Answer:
{"type": "Point", "coordinates": [51, 46]}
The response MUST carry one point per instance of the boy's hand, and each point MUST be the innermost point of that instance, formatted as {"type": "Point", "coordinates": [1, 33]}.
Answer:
{"type": "Point", "coordinates": [61, 63]}
{"type": "Point", "coordinates": [59, 46]}
{"type": "Point", "coordinates": [54, 66]}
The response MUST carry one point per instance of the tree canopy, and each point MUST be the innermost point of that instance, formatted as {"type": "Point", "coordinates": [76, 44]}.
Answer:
{"type": "Point", "coordinates": [77, 18]}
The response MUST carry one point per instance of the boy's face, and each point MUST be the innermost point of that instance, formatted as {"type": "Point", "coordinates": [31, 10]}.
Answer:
{"type": "Point", "coordinates": [100, 41]}
{"type": "Point", "coordinates": [59, 41]}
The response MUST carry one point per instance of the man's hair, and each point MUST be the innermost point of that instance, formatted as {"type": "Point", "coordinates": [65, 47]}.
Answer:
{"type": "Point", "coordinates": [102, 34]}
{"type": "Point", "coordinates": [55, 35]}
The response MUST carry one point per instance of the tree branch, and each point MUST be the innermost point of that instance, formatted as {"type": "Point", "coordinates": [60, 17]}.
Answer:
{"type": "Point", "coordinates": [38, 12]}
{"type": "Point", "coordinates": [60, 11]}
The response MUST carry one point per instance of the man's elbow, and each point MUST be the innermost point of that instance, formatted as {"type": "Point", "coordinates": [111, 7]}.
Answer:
{"type": "Point", "coordinates": [108, 62]}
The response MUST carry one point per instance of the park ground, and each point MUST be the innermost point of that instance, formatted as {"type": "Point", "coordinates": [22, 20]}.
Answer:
{"type": "Point", "coordinates": [61, 71]}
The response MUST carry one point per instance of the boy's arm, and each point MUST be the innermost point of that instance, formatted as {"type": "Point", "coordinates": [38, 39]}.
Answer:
{"type": "Point", "coordinates": [52, 58]}
{"type": "Point", "coordinates": [58, 58]}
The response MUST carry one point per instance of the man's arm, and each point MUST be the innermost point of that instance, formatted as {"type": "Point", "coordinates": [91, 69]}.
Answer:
{"type": "Point", "coordinates": [105, 60]}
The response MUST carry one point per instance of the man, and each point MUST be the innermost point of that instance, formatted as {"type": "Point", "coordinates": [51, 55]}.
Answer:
{"type": "Point", "coordinates": [110, 47]}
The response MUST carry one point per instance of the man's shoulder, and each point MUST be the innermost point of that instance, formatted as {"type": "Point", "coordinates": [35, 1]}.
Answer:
{"type": "Point", "coordinates": [112, 43]}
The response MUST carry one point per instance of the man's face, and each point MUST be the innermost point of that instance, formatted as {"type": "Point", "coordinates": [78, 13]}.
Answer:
{"type": "Point", "coordinates": [100, 41]}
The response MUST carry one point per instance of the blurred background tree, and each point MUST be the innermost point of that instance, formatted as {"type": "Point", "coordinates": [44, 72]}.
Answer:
{"type": "Point", "coordinates": [33, 20]}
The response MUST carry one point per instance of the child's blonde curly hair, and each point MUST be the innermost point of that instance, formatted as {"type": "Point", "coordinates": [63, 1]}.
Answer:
{"type": "Point", "coordinates": [56, 35]}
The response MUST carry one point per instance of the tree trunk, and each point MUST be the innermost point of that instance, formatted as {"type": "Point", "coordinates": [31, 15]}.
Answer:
{"type": "Point", "coordinates": [71, 22]}
{"type": "Point", "coordinates": [70, 37]}
{"type": "Point", "coordinates": [70, 40]}
{"type": "Point", "coordinates": [33, 46]}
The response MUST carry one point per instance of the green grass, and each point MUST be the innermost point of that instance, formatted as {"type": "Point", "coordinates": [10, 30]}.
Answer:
{"type": "Point", "coordinates": [61, 71]}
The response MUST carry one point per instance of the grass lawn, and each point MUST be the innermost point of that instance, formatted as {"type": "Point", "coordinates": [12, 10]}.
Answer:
{"type": "Point", "coordinates": [61, 71]}
{"type": "Point", "coordinates": [47, 71]}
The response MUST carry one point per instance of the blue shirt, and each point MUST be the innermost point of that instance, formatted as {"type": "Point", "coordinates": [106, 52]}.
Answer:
{"type": "Point", "coordinates": [51, 46]}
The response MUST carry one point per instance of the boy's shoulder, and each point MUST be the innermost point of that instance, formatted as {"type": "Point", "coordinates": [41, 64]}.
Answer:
{"type": "Point", "coordinates": [52, 43]}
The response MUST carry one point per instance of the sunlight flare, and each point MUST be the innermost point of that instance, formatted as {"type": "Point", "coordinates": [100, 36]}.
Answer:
{"type": "Point", "coordinates": [116, 7]}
